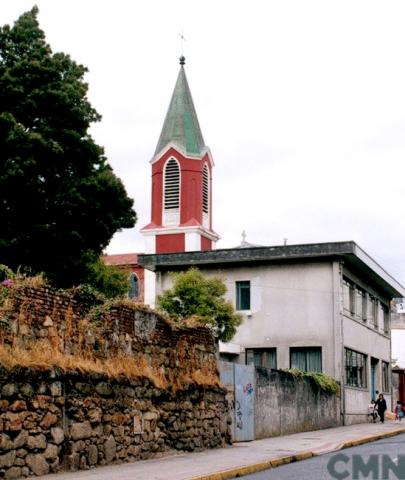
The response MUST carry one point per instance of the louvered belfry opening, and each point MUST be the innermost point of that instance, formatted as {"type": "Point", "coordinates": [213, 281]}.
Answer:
{"type": "Point", "coordinates": [172, 185]}
{"type": "Point", "coordinates": [205, 189]}
{"type": "Point", "coordinates": [205, 195]}
{"type": "Point", "coordinates": [172, 193]}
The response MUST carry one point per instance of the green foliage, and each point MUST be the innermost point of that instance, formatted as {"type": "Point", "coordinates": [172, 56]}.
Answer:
{"type": "Point", "coordinates": [61, 202]}
{"type": "Point", "coordinates": [87, 295]}
{"type": "Point", "coordinates": [6, 273]}
{"type": "Point", "coordinates": [108, 280]}
{"type": "Point", "coordinates": [194, 295]}
{"type": "Point", "coordinates": [7, 277]}
{"type": "Point", "coordinates": [321, 380]}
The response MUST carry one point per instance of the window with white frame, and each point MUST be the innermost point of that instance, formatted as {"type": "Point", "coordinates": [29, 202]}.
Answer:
{"type": "Point", "coordinates": [171, 193]}
{"type": "Point", "coordinates": [243, 295]}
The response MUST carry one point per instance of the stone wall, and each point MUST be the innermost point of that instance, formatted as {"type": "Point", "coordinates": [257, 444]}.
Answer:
{"type": "Point", "coordinates": [52, 421]}
{"type": "Point", "coordinates": [285, 405]}
{"type": "Point", "coordinates": [65, 404]}
{"type": "Point", "coordinates": [75, 325]}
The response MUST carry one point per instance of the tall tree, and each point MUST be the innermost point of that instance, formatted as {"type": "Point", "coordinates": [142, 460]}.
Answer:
{"type": "Point", "coordinates": [60, 202]}
{"type": "Point", "coordinates": [194, 295]}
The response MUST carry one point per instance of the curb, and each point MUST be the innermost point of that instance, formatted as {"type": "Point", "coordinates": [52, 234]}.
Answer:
{"type": "Point", "coordinates": [276, 462]}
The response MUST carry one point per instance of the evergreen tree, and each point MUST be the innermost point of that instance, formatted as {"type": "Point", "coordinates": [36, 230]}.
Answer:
{"type": "Point", "coordinates": [60, 202]}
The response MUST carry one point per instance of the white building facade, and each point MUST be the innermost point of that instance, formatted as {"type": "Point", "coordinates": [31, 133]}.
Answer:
{"type": "Point", "coordinates": [318, 307]}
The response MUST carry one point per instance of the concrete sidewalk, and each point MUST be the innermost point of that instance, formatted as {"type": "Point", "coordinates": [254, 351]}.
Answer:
{"type": "Point", "coordinates": [240, 458]}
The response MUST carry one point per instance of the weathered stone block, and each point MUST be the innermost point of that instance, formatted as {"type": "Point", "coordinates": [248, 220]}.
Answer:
{"type": "Point", "coordinates": [72, 462]}
{"type": "Point", "coordinates": [57, 435]}
{"type": "Point", "coordinates": [7, 459]}
{"type": "Point", "coordinates": [82, 430]}
{"type": "Point", "coordinates": [138, 424]}
{"type": "Point", "coordinates": [104, 389]}
{"type": "Point", "coordinates": [13, 473]}
{"type": "Point", "coordinates": [51, 451]}
{"type": "Point", "coordinates": [78, 446]}
{"type": "Point", "coordinates": [110, 449]}
{"type": "Point", "coordinates": [12, 422]}
{"type": "Point", "coordinates": [95, 415]}
{"type": "Point", "coordinates": [56, 389]}
{"type": "Point", "coordinates": [8, 390]}
{"type": "Point", "coordinates": [150, 416]}
{"type": "Point", "coordinates": [36, 442]}
{"type": "Point", "coordinates": [5, 442]}
{"type": "Point", "coordinates": [27, 390]}
{"type": "Point", "coordinates": [18, 406]}
{"type": "Point", "coordinates": [93, 455]}
{"type": "Point", "coordinates": [21, 439]}
{"type": "Point", "coordinates": [49, 420]}
{"type": "Point", "coordinates": [21, 453]}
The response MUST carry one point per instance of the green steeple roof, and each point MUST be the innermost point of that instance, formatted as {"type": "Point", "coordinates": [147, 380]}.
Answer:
{"type": "Point", "coordinates": [181, 125]}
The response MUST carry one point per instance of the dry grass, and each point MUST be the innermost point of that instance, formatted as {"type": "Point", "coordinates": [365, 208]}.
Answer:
{"type": "Point", "coordinates": [37, 281]}
{"type": "Point", "coordinates": [41, 355]}
{"type": "Point", "coordinates": [205, 377]}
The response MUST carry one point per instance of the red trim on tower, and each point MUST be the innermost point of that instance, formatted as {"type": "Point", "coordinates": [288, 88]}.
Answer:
{"type": "Point", "coordinates": [206, 244]}
{"type": "Point", "coordinates": [170, 243]}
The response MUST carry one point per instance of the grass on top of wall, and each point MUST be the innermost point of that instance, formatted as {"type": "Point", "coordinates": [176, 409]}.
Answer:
{"type": "Point", "coordinates": [42, 356]}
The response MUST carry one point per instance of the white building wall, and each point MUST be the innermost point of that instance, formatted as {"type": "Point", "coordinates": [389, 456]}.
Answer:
{"type": "Point", "coordinates": [291, 306]}
{"type": "Point", "coordinates": [365, 339]}
{"type": "Point", "coordinates": [301, 305]}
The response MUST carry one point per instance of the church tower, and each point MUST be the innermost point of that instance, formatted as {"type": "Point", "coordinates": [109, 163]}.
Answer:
{"type": "Point", "coordinates": [181, 213]}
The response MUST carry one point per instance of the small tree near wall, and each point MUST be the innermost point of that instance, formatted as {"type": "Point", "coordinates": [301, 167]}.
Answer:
{"type": "Point", "coordinates": [194, 295]}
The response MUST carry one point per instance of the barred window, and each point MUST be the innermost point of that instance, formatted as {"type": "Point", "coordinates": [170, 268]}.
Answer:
{"type": "Point", "coordinates": [205, 189]}
{"type": "Point", "coordinates": [172, 185]}
{"type": "Point", "coordinates": [356, 370]}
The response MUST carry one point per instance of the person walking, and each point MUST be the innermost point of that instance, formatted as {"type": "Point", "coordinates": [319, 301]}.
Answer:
{"type": "Point", "coordinates": [381, 405]}
{"type": "Point", "coordinates": [399, 411]}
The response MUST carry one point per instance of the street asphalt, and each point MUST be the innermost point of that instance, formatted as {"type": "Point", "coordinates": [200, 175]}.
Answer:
{"type": "Point", "coordinates": [345, 463]}
{"type": "Point", "coordinates": [245, 457]}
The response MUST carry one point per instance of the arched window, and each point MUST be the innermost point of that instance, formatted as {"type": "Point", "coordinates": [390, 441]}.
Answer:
{"type": "Point", "coordinates": [134, 286]}
{"type": "Point", "coordinates": [171, 202]}
{"type": "Point", "coordinates": [205, 195]}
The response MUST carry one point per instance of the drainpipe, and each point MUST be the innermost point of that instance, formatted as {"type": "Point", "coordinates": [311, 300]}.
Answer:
{"type": "Point", "coordinates": [343, 367]}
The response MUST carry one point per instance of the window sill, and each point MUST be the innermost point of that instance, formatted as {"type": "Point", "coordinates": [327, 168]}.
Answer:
{"type": "Point", "coordinates": [362, 389]}
{"type": "Point", "coordinates": [367, 325]}
{"type": "Point", "coordinates": [248, 313]}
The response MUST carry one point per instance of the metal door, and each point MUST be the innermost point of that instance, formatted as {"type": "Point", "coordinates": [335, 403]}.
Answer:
{"type": "Point", "coordinates": [244, 402]}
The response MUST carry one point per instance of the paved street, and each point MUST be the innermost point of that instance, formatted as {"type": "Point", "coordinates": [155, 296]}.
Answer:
{"type": "Point", "coordinates": [223, 462]}
{"type": "Point", "coordinates": [316, 468]}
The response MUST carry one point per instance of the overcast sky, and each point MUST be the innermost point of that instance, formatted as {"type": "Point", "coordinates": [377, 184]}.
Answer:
{"type": "Point", "coordinates": [301, 102]}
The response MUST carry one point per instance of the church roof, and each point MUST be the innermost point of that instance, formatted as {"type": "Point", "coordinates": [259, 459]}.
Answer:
{"type": "Point", "coordinates": [181, 126]}
{"type": "Point", "coordinates": [121, 259]}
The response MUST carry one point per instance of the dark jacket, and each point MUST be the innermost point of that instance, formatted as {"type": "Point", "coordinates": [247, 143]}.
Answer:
{"type": "Point", "coordinates": [381, 405]}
